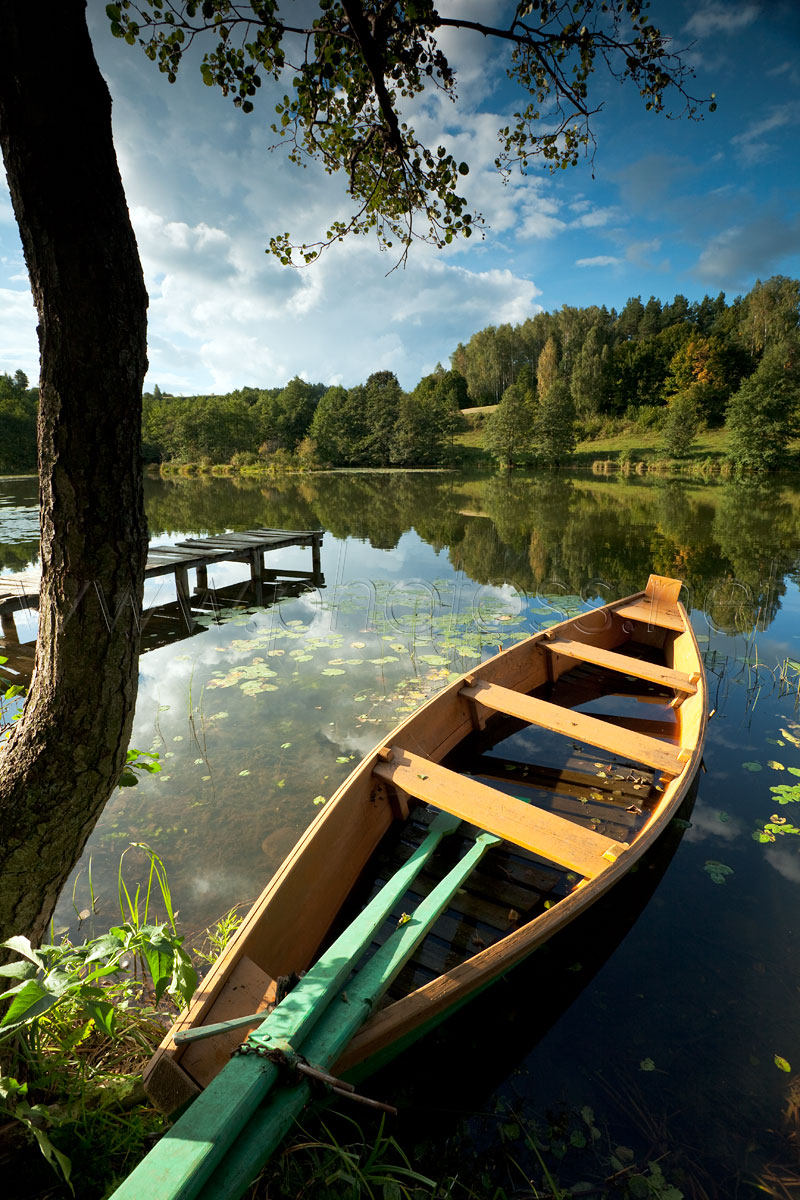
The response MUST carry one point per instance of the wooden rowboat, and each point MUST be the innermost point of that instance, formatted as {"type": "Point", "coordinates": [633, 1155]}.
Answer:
{"type": "Point", "coordinates": [454, 821]}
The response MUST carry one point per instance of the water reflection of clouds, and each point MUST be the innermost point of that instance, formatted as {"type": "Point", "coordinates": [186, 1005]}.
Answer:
{"type": "Point", "coordinates": [785, 861]}
{"type": "Point", "coordinates": [708, 822]}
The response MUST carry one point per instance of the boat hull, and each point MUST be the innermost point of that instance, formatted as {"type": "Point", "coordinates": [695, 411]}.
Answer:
{"type": "Point", "coordinates": [331, 856]}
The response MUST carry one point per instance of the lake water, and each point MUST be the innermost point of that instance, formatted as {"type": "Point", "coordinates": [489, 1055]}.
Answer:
{"type": "Point", "coordinates": [679, 1037]}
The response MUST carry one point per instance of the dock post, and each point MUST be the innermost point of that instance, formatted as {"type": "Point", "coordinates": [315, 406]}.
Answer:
{"type": "Point", "coordinates": [201, 579]}
{"type": "Point", "coordinates": [257, 574]}
{"type": "Point", "coordinates": [316, 564]}
{"type": "Point", "coordinates": [8, 625]}
{"type": "Point", "coordinates": [182, 588]}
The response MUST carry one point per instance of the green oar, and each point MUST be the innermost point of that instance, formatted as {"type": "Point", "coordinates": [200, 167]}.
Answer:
{"type": "Point", "coordinates": [179, 1164]}
{"type": "Point", "coordinates": [269, 1125]}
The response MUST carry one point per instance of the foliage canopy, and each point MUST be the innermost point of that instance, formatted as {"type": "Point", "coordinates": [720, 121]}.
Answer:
{"type": "Point", "coordinates": [355, 70]}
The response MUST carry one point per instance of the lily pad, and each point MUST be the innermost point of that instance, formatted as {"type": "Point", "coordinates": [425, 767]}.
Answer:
{"type": "Point", "coordinates": [752, 766]}
{"type": "Point", "coordinates": [718, 871]}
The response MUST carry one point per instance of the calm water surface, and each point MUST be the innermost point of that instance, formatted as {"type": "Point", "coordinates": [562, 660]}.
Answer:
{"type": "Point", "coordinates": [672, 1035]}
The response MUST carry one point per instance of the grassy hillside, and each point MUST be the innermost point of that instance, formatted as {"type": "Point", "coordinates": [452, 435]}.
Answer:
{"type": "Point", "coordinates": [622, 442]}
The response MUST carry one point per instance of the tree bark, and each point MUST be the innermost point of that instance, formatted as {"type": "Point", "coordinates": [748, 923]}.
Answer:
{"type": "Point", "coordinates": [65, 754]}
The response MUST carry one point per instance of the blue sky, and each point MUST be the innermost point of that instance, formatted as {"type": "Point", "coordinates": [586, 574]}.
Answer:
{"type": "Point", "coordinates": [674, 206]}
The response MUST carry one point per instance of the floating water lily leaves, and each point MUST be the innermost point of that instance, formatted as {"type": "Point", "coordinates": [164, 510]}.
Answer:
{"type": "Point", "coordinates": [647, 1064]}
{"type": "Point", "coordinates": [718, 871]}
{"type": "Point", "coordinates": [781, 1063]}
{"type": "Point", "coordinates": [786, 793]}
{"type": "Point", "coordinates": [332, 671]}
{"type": "Point", "coordinates": [752, 766]}
{"type": "Point", "coordinates": [776, 766]}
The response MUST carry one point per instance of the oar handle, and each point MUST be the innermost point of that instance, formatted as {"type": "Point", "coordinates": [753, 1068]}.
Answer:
{"type": "Point", "coordinates": [205, 1031]}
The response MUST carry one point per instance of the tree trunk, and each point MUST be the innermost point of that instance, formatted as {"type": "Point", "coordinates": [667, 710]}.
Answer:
{"type": "Point", "coordinates": [65, 754]}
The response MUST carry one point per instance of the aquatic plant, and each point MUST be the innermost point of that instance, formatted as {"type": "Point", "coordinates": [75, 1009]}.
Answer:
{"type": "Point", "coordinates": [79, 1023]}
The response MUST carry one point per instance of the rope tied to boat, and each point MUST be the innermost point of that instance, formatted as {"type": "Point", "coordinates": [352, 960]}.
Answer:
{"type": "Point", "coordinates": [296, 1068]}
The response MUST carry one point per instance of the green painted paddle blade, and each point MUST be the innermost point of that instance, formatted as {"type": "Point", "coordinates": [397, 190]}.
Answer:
{"type": "Point", "coordinates": [336, 1027]}
{"type": "Point", "coordinates": [178, 1166]}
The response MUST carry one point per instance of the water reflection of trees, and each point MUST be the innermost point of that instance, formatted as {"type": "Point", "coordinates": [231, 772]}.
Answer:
{"type": "Point", "coordinates": [734, 544]}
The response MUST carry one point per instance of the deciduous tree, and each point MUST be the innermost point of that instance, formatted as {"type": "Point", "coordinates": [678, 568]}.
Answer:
{"type": "Point", "coordinates": [354, 65]}
{"type": "Point", "coordinates": [765, 412]}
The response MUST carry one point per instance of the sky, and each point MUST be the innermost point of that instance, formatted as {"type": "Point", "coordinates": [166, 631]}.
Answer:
{"type": "Point", "coordinates": [669, 206]}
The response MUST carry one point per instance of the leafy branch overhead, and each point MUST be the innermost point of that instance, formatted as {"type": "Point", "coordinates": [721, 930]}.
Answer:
{"type": "Point", "coordinates": [351, 72]}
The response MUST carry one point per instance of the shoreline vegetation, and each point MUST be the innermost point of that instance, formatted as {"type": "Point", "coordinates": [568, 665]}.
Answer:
{"type": "Point", "coordinates": [622, 450]}
{"type": "Point", "coordinates": [703, 388]}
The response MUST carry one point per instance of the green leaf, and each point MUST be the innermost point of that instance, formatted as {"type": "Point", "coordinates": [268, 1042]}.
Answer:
{"type": "Point", "coordinates": [184, 978]}
{"type": "Point", "coordinates": [103, 1014]}
{"type": "Point", "coordinates": [56, 1158]}
{"type": "Point", "coordinates": [18, 970]}
{"type": "Point", "coordinates": [30, 1002]}
{"type": "Point", "coordinates": [159, 955]}
{"type": "Point", "coordinates": [752, 766]}
{"type": "Point", "coordinates": [781, 1063]}
{"type": "Point", "coordinates": [22, 946]}
{"type": "Point", "coordinates": [647, 1064]}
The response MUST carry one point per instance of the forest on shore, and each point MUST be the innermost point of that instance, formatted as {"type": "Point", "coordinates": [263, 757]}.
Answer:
{"type": "Point", "coordinates": [672, 370]}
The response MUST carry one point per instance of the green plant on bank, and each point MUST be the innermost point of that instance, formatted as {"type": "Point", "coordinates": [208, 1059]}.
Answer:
{"type": "Point", "coordinates": [219, 935]}
{"type": "Point", "coordinates": [79, 1023]}
{"type": "Point", "coordinates": [365, 1167]}
{"type": "Point", "coordinates": [371, 1165]}
{"type": "Point", "coordinates": [138, 760]}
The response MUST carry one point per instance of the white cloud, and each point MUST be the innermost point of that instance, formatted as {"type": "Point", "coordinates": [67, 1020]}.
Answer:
{"type": "Point", "coordinates": [220, 307]}
{"type": "Point", "coordinates": [19, 346]}
{"type": "Point", "coordinates": [721, 18]}
{"type": "Point", "coordinates": [596, 218]}
{"type": "Point", "coordinates": [738, 253]}
{"type": "Point", "coordinates": [750, 144]}
{"type": "Point", "coordinates": [599, 260]}
{"type": "Point", "coordinates": [640, 252]}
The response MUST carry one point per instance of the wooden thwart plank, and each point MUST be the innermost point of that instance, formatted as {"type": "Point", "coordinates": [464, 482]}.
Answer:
{"type": "Point", "coordinates": [579, 726]}
{"type": "Point", "coordinates": [623, 663]}
{"type": "Point", "coordinates": [534, 829]}
{"type": "Point", "coordinates": [653, 613]}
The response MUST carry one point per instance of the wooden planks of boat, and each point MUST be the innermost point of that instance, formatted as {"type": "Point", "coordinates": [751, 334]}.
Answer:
{"type": "Point", "coordinates": [570, 799]}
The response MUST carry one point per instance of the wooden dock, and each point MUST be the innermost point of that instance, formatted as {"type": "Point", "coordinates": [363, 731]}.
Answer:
{"type": "Point", "coordinates": [21, 592]}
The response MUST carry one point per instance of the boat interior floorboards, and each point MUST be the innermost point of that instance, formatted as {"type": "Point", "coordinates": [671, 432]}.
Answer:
{"type": "Point", "coordinates": [590, 787]}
